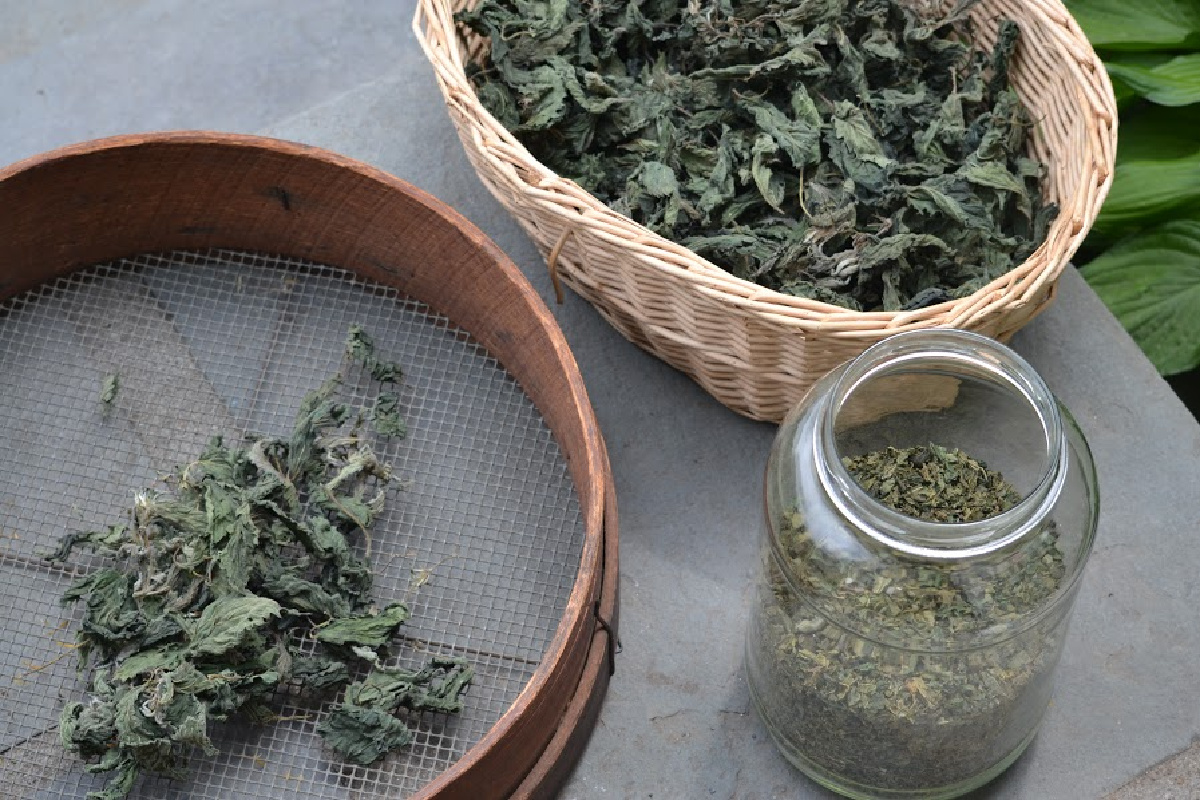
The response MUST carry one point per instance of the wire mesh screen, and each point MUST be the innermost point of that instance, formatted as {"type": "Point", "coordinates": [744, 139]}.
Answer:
{"type": "Point", "coordinates": [482, 538]}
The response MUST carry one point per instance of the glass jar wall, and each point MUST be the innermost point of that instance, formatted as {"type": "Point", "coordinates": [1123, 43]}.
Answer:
{"type": "Point", "coordinates": [930, 507]}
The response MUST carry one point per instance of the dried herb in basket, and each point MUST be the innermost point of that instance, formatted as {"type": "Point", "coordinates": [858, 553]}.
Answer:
{"type": "Point", "coordinates": [216, 582]}
{"type": "Point", "coordinates": [887, 696]}
{"type": "Point", "coordinates": [857, 152]}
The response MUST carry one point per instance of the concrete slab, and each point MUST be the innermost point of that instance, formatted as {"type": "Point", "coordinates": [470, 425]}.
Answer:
{"type": "Point", "coordinates": [79, 69]}
{"type": "Point", "coordinates": [1177, 778]}
{"type": "Point", "coordinates": [676, 722]}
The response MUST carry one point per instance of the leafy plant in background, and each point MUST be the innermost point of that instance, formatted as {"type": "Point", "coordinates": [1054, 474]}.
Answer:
{"type": "Point", "coordinates": [1143, 254]}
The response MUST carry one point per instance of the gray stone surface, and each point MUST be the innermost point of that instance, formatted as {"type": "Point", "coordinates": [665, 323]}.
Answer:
{"type": "Point", "coordinates": [1176, 778]}
{"type": "Point", "coordinates": [78, 69]}
{"type": "Point", "coordinates": [676, 722]}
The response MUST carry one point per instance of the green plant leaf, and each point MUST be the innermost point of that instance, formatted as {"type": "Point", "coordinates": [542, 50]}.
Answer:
{"type": "Point", "coordinates": [372, 630]}
{"type": "Point", "coordinates": [798, 138]}
{"type": "Point", "coordinates": [1138, 24]}
{"type": "Point", "coordinates": [386, 415]}
{"type": "Point", "coordinates": [144, 661]}
{"type": "Point", "coordinates": [320, 671]}
{"type": "Point", "coordinates": [770, 185]}
{"type": "Point", "coordinates": [1124, 95]}
{"type": "Point", "coordinates": [121, 785]}
{"type": "Point", "coordinates": [189, 719]}
{"type": "Point", "coordinates": [1145, 190]}
{"type": "Point", "coordinates": [1151, 282]}
{"type": "Point", "coordinates": [363, 735]}
{"type": "Point", "coordinates": [1151, 132]}
{"type": "Point", "coordinates": [109, 388]}
{"type": "Point", "coordinates": [659, 179]}
{"type": "Point", "coordinates": [226, 622]}
{"type": "Point", "coordinates": [1173, 81]}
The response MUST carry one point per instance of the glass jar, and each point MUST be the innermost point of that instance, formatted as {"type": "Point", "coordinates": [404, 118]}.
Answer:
{"type": "Point", "coordinates": [930, 507]}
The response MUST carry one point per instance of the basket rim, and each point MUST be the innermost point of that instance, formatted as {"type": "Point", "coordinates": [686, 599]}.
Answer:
{"type": "Point", "coordinates": [435, 28]}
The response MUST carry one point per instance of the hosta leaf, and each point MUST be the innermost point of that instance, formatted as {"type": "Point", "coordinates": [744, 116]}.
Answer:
{"type": "Point", "coordinates": [1155, 133]}
{"type": "Point", "coordinates": [1169, 82]}
{"type": "Point", "coordinates": [1138, 24]}
{"type": "Point", "coordinates": [1151, 283]}
{"type": "Point", "coordinates": [1144, 190]}
{"type": "Point", "coordinates": [1123, 93]}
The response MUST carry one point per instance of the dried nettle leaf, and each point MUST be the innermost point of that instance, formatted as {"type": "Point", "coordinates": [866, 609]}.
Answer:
{"type": "Point", "coordinates": [361, 349]}
{"type": "Point", "coordinates": [218, 574]}
{"type": "Point", "coordinates": [386, 416]}
{"type": "Point", "coordinates": [369, 630]}
{"type": "Point", "coordinates": [857, 152]}
{"type": "Point", "coordinates": [364, 735]}
{"type": "Point", "coordinates": [228, 622]}
{"type": "Point", "coordinates": [362, 728]}
{"type": "Point", "coordinates": [109, 388]}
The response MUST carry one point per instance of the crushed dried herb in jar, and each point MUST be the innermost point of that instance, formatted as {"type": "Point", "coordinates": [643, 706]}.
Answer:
{"type": "Point", "coordinates": [906, 674]}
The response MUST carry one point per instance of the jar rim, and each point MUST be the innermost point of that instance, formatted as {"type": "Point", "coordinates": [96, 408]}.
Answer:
{"type": "Point", "coordinates": [945, 540]}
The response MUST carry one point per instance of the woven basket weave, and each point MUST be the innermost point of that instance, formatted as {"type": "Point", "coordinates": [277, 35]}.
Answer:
{"type": "Point", "coordinates": [754, 349]}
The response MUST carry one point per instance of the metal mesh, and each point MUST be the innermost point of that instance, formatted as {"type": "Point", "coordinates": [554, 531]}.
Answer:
{"type": "Point", "coordinates": [483, 540]}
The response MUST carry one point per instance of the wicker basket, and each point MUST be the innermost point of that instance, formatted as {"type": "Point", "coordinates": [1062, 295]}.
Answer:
{"type": "Point", "coordinates": [754, 349]}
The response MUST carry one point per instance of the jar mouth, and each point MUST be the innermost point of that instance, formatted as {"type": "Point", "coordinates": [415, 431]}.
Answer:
{"type": "Point", "coordinates": [946, 352]}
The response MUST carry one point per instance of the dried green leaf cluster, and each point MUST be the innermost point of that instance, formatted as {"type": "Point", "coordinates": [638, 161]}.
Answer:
{"type": "Point", "coordinates": [870, 661]}
{"type": "Point", "coordinates": [386, 416]}
{"type": "Point", "coordinates": [363, 728]}
{"type": "Point", "coordinates": [214, 583]}
{"type": "Point", "coordinates": [852, 151]}
{"type": "Point", "coordinates": [361, 349]}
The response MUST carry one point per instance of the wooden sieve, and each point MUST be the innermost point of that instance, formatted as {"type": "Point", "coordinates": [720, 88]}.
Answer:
{"type": "Point", "coordinates": [217, 275]}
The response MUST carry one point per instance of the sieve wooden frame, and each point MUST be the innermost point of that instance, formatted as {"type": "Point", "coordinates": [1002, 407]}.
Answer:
{"type": "Point", "coordinates": [127, 195]}
{"type": "Point", "coordinates": [756, 350]}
